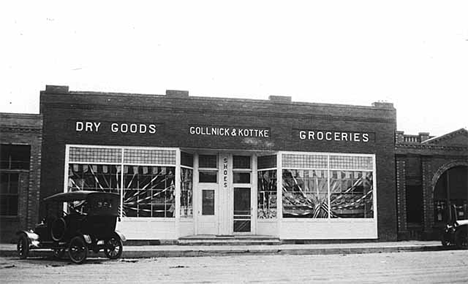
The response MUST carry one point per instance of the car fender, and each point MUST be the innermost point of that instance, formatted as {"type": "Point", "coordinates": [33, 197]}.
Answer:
{"type": "Point", "coordinates": [33, 238]}
{"type": "Point", "coordinates": [461, 223]}
{"type": "Point", "coordinates": [87, 239]}
{"type": "Point", "coordinates": [121, 236]}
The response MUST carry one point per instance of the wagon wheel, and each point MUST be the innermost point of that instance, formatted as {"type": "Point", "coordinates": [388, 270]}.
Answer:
{"type": "Point", "coordinates": [22, 247]}
{"type": "Point", "coordinates": [113, 247]}
{"type": "Point", "coordinates": [461, 238]}
{"type": "Point", "coordinates": [59, 227]}
{"type": "Point", "coordinates": [78, 250]}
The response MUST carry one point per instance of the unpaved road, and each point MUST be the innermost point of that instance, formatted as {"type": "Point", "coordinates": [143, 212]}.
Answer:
{"type": "Point", "coordinates": [408, 267]}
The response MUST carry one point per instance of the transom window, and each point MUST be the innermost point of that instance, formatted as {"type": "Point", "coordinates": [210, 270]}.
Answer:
{"type": "Point", "coordinates": [208, 168]}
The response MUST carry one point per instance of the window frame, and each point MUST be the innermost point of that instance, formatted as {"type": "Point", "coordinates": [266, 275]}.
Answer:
{"type": "Point", "coordinates": [329, 168]}
{"type": "Point", "coordinates": [120, 162]}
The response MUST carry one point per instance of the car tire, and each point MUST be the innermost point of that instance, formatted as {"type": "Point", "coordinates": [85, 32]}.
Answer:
{"type": "Point", "coordinates": [461, 238]}
{"type": "Point", "coordinates": [77, 250]}
{"type": "Point", "coordinates": [22, 247]}
{"type": "Point", "coordinates": [58, 229]}
{"type": "Point", "coordinates": [113, 247]}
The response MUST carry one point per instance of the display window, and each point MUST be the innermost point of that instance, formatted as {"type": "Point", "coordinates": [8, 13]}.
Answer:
{"type": "Point", "coordinates": [267, 194]}
{"type": "Point", "coordinates": [267, 201]}
{"type": "Point", "coordinates": [328, 186]}
{"type": "Point", "coordinates": [186, 192]}
{"type": "Point", "coordinates": [145, 178]}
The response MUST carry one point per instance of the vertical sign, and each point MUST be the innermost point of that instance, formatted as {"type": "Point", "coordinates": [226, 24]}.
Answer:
{"type": "Point", "coordinates": [225, 172]}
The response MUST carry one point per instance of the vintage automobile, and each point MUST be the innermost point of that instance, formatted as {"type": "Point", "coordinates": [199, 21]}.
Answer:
{"type": "Point", "coordinates": [83, 221]}
{"type": "Point", "coordinates": [455, 232]}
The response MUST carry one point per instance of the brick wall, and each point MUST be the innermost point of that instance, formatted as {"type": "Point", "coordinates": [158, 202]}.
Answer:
{"type": "Point", "coordinates": [422, 164]}
{"type": "Point", "coordinates": [23, 129]}
{"type": "Point", "coordinates": [173, 116]}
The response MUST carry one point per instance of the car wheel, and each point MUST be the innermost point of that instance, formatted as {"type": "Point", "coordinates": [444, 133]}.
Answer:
{"type": "Point", "coordinates": [77, 250]}
{"type": "Point", "coordinates": [113, 247]}
{"type": "Point", "coordinates": [59, 227]}
{"type": "Point", "coordinates": [22, 247]}
{"type": "Point", "coordinates": [461, 238]}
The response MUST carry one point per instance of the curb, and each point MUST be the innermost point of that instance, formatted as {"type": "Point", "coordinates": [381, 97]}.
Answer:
{"type": "Point", "coordinates": [160, 251]}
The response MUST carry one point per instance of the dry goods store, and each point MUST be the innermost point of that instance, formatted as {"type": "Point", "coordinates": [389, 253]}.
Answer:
{"type": "Point", "coordinates": [187, 165]}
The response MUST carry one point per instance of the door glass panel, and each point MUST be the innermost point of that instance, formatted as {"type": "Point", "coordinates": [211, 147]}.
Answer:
{"type": "Point", "coordinates": [208, 203]}
{"type": "Point", "coordinates": [239, 177]}
{"type": "Point", "coordinates": [208, 176]}
{"type": "Point", "coordinates": [242, 219]}
{"type": "Point", "coordinates": [241, 162]}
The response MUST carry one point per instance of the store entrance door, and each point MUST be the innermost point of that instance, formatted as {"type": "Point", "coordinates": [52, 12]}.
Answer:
{"type": "Point", "coordinates": [226, 199]}
{"type": "Point", "coordinates": [208, 213]}
{"type": "Point", "coordinates": [242, 218]}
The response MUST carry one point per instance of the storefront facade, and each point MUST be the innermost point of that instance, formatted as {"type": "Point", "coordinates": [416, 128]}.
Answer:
{"type": "Point", "coordinates": [189, 166]}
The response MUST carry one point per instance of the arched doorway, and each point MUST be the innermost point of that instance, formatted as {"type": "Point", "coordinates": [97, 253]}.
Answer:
{"type": "Point", "coordinates": [451, 195]}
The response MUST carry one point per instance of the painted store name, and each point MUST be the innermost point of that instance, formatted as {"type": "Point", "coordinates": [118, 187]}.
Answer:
{"type": "Point", "coordinates": [334, 136]}
{"type": "Point", "coordinates": [115, 127]}
{"type": "Point", "coordinates": [229, 131]}
{"type": "Point", "coordinates": [150, 128]}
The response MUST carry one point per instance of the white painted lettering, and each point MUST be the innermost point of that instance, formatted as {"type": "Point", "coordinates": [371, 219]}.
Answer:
{"type": "Point", "coordinates": [337, 136]}
{"type": "Point", "coordinates": [344, 136]}
{"type": "Point", "coordinates": [114, 127]}
{"type": "Point", "coordinates": [133, 128]}
{"type": "Point", "coordinates": [302, 135]}
{"type": "Point", "coordinates": [319, 135]}
{"type": "Point", "coordinates": [357, 137]}
{"type": "Point", "coordinates": [88, 126]}
{"type": "Point", "coordinates": [97, 125]}
{"type": "Point", "coordinates": [365, 137]}
{"type": "Point", "coordinates": [79, 126]}
{"type": "Point", "coordinates": [152, 128]}
{"type": "Point", "coordinates": [124, 128]}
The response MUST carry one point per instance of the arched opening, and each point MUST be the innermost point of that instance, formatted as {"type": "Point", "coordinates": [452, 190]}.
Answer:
{"type": "Point", "coordinates": [451, 195]}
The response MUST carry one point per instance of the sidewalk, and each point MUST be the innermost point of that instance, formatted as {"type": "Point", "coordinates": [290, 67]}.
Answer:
{"type": "Point", "coordinates": [150, 251]}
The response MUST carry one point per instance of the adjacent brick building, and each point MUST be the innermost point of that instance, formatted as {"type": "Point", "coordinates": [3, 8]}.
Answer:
{"type": "Point", "coordinates": [432, 176]}
{"type": "Point", "coordinates": [20, 147]}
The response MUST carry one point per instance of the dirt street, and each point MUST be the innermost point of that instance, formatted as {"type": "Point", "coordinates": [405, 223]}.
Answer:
{"type": "Point", "coordinates": [413, 267]}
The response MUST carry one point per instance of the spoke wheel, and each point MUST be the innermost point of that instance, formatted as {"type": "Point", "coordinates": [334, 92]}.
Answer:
{"type": "Point", "coordinates": [77, 250]}
{"type": "Point", "coordinates": [22, 247]}
{"type": "Point", "coordinates": [113, 247]}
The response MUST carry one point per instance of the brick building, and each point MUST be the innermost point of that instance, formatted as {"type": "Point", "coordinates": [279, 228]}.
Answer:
{"type": "Point", "coordinates": [20, 147]}
{"type": "Point", "coordinates": [188, 166]}
{"type": "Point", "coordinates": [197, 166]}
{"type": "Point", "coordinates": [432, 180]}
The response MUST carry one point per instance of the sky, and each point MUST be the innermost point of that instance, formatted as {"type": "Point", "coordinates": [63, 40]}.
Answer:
{"type": "Point", "coordinates": [413, 54]}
